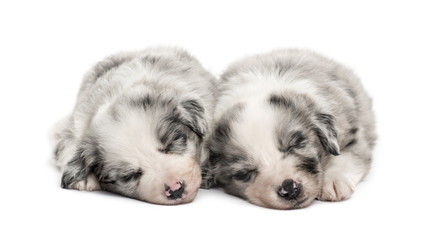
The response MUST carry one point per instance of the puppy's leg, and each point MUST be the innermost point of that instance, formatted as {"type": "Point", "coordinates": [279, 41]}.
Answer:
{"type": "Point", "coordinates": [75, 175]}
{"type": "Point", "coordinates": [90, 183]}
{"type": "Point", "coordinates": [341, 175]}
{"type": "Point", "coordinates": [75, 160]}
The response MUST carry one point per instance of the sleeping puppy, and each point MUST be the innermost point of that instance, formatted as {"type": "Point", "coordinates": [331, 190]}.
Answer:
{"type": "Point", "coordinates": [290, 126]}
{"type": "Point", "coordinates": [138, 126]}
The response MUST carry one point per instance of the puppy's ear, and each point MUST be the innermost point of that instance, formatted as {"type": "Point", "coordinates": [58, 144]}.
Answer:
{"type": "Point", "coordinates": [207, 176]}
{"type": "Point", "coordinates": [83, 161]}
{"type": "Point", "coordinates": [325, 130]}
{"type": "Point", "coordinates": [193, 116]}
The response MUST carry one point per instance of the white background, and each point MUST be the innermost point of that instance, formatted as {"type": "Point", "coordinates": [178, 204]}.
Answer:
{"type": "Point", "coordinates": [46, 47]}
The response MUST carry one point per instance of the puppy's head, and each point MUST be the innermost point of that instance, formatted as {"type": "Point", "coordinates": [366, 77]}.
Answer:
{"type": "Point", "coordinates": [269, 151]}
{"type": "Point", "coordinates": [145, 147]}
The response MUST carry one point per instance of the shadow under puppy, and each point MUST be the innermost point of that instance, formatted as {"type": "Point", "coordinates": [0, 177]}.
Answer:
{"type": "Point", "coordinates": [138, 126]}
{"type": "Point", "coordinates": [290, 126]}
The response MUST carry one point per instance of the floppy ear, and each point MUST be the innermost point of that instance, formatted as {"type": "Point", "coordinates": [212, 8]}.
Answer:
{"type": "Point", "coordinates": [207, 176]}
{"type": "Point", "coordinates": [325, 130]}
{"type": "Point", "coordinates": [83, 161]}
{"type": "Point", "coordinates": [193, 116]}
{"type": "Point", "coordinates": [209, 168]}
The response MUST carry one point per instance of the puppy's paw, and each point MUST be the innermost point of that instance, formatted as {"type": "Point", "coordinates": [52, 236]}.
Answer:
{"type": "Point", "coordinates": [336, 189]}
{"type": "Point", "coordinates": [91, 183]}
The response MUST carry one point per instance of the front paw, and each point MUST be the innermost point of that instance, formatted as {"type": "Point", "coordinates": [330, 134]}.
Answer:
{"type": "Point", "coordinates": [336, 189]}
{"type": "Point", "coordinates": [90, 183]}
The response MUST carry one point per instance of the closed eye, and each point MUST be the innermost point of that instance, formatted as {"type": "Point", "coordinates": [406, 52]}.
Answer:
{"type": "Point", "coordinates": [131, 177]}
{"type": "Point", "coordinates": [108, 181]}
{"type": "Point", "coordinates": [178, 145]}
{"type": "Point", "coordinates": [298, 141]}
{"type": "Point", "coordinates": [122, 178]}
{"type": "Point", "coordinates": [245, 175]}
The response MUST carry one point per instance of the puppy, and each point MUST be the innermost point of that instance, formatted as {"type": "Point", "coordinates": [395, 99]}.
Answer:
{"type": "Point", "coordinates": [290, 126]}
{"type": "Point", "coordinates": [138, 126]}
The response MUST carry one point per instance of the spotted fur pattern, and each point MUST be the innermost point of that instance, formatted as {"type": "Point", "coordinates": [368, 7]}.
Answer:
{"type": "Point", "coordinates": [138, 126]}
{"type": "Point", "coordinates": [290, 126]}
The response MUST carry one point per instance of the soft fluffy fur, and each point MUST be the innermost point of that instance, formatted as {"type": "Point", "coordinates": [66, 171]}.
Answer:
{"type": "Point", "coordinates": [138, 126]}
{"type": "Point", "coordinates": [290, 126]}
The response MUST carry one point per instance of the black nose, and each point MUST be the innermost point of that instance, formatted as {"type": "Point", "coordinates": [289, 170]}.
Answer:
{"type": "Point", "coordinates": [174, 193]}
{"type": "Point", "coordinates": [289, 189]}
